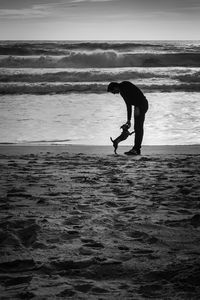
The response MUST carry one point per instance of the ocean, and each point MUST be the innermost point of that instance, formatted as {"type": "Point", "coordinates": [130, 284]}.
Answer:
{"type": "Point", "coordinates": [54, 92]}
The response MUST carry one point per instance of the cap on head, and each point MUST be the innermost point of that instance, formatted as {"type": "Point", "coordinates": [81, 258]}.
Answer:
{"type": "Point", "coordinates": [112, 86]}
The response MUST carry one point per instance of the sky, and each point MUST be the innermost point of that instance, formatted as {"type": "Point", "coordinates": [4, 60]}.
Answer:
{"type": "Point", "coordinates": [99, 19]}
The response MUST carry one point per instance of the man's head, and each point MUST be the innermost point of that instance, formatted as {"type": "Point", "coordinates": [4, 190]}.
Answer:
{"type": "Point", "coordinates": [113, 87]}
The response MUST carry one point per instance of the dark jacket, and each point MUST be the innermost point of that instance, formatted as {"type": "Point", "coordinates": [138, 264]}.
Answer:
{"type": "Point", "coordinates": [133, 96]}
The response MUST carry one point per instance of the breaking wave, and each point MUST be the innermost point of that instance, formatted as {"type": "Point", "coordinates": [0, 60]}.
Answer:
{"type": "Point", "coordinates": [35, 67]}
{"type": "Point", "coordinates": [188, 75]}
{"type": "Point", "coordinates": [102, 59]}
{"type": "Point", "coordinates": [86, 87]}
{"type": "Point", "coordinates": [62, 48]}
{"type": "Point", "coordinates": [77, 75]}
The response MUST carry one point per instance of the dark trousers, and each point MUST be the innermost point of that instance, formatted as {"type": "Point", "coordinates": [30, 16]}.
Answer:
{"type": "Point", "coordinates": [139, 129]}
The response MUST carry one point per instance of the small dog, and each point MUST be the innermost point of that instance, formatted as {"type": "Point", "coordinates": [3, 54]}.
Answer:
{"type": "Point", "coordinates": [123, 136]}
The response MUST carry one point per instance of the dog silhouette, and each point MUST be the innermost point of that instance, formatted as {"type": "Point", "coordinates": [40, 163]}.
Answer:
{"type": "Point", "coordinates": [122, 137]}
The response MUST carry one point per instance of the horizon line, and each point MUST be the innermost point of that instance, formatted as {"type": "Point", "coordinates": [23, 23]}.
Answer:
{"type": "Point", "coordinates": [99, 40]}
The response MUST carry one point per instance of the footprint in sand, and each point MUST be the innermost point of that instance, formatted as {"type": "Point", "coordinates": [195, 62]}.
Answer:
{"type": "Point", "coordinates": [151, 290]}
{"type": "Point", "coordinates": [138, 235]}
{"type": "Point", "coordinates": [111, 204]}
{"type": "Point", "coordinates": [98, 290]}
{"type": "Point", "coordinates": [18, 265]}
{"type": "Point", "coordinates": [123, 248]}
{"type": "Point", "coordinates": [66, 265]}
{"type": "Point", "coordinates": [16, 280]}
{"type": "Point", "coordinates": [87, 251]}
{"type": "Point", "coordinates": [9, 239]}
{"type": "Point", "coordinates": [21, 232]}
{"type": "Point", "coordinates": [92, 244]}
{"type": "Point", "coordinates": [70, 234]}
{"type": "Point", "coordinates": [195, 220]}
{"type": "Point", "coordinates": [127, 208]}
{"type": "Point", "coordinates": [28, 235]}
{"type": "Point", "coordinates": [72, 220]}
{"type": "Point", "coordinates": [66, 293]}
{"type": "Point", "coordinates": [142, 251]}
{"type": "Point", "coordinates": [84, 288]}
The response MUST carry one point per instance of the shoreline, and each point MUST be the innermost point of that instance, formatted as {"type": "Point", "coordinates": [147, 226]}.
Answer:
{"type": "Point", "coordinates": [18, 149]}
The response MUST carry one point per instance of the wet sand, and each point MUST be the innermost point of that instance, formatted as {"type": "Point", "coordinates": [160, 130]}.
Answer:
{"type": "Point", "coordinates": [79, 222]}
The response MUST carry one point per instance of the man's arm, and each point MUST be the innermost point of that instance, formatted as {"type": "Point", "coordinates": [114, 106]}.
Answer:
{"type": "Point", "coordinates": [129, 113]}
{"type": "Point", "coordinates": [128, 105]}
{"type": "Point", "coordinates": [136, 111]}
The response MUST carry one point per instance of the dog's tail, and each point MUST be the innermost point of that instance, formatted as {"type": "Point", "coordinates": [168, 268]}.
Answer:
{"type": "Point", "coordinates": [111, 139]}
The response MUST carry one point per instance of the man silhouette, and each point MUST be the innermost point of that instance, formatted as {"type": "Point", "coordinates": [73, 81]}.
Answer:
{"type": "Point", "coordinates": [132, 96]}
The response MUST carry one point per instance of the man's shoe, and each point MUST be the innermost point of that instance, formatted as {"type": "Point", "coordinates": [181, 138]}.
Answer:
{"type": "Point", "coordinates": [133, 152]}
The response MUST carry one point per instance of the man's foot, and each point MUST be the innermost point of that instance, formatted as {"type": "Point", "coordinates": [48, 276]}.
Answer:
{"type": "Point", "coordinates": [133, 152]}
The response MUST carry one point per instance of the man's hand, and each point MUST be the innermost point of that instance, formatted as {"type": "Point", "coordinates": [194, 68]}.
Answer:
{"type": "Point", "coordinates": [128, 124]}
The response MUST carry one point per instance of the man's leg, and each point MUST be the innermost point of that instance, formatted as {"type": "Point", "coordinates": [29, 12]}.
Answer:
{"type": "Point", "coordinates": [139, 131]}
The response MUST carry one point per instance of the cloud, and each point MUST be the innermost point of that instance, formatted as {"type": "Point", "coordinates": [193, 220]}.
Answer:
{"type": "Point", "coordinates": [36, 11]}
{"type": "Point", "coordinates": [44, 9]}
{"type": "Point", "coordinates": [72, 9]}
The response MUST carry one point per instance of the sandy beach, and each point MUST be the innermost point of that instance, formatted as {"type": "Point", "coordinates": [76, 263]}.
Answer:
{"type": "Point", "coordinates": [78, 222]}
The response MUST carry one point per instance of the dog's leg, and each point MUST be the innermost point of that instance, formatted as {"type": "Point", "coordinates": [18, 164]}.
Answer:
{"type": "Point", "coordinates": [114, 145]}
